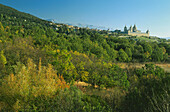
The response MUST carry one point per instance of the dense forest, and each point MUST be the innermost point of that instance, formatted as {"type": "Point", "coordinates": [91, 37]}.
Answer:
{"type": "Point", "coordinates": [42, 65]}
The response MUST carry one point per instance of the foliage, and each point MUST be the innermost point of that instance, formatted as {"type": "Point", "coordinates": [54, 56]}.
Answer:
{"type": "Point", "coordinates": [123, 57]}
{"type": "Point", "coordinates": [148, 95]}
{"type": "Point", "coordinates": [41, 60]}
{"type": "Point", "coordinates": [107, 75]}
{"type": "Point", "coordinates": [150, 69]}
{"type": "Point", "coordinates": [150, 87]}
{"type": "Point", "coordinates": [64, 66]}
{"type": "Point", "coordinates": [19, 89]}
{"type": "Point", "coordinates": [3, 60]}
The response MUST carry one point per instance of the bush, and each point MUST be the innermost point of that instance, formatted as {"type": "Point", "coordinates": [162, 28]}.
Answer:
{"type": "Point", "coordinates": [19, 90]}
{"type": "Point", "coordinates": [150, 95]}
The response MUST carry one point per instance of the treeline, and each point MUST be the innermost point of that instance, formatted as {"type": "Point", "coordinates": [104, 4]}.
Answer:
{"type": "Point", "coordinates": [39, 66]}
{"type": "Point", "coordinates": [83, 40]}
{"type": "Point", "coordinates": [92, 43]}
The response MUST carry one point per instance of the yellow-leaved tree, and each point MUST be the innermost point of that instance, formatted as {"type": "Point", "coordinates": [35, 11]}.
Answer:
{"type": "Point", "coordinates": [27, 83]}
{"type": "Point", "coordinates": [1, 27]}
{"type": "Point", "coordinates": [3, 60]}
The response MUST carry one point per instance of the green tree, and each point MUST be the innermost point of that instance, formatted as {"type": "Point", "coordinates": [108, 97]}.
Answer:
{"type": "Point", "coordinates": [123, 57]}
{"type": "Point", "coordinates": [129, 53]}
{"type": "Point", "coordinates": [1, 27]}
{"type": "Point", "coordinates": [2, 17]}
{"type": "Point", "coordinates": [157, 54]}
{"type": "Point", "coordinates": [64, 66]}
{"type": "Point", "coordinates": [3, 60]}
{"type": "Point", "coordinates": [148, 47]}
{"type": "Point", "coordinates": [113, 54]}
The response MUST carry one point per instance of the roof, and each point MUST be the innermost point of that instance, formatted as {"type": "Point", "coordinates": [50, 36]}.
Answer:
{"type": "Point", "coordinates": [138, 32]}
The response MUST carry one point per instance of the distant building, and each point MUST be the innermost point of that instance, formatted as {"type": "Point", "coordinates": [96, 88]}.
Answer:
{"type": "Point", "coordinates": [70, 26]}
{"type": "Point", "coordinates": [132, 31]}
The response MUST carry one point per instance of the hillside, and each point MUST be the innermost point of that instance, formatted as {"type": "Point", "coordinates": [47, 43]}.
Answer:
{"type": "Point", "coordinates": [42, 63]}
{"type": "Point", "coordinates": [13, 13]}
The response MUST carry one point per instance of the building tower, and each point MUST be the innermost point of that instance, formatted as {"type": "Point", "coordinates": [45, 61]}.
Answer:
{"type": "Point", "coordinates": [147, 31]}
{"type": "Point", "coordinates": [134, 28]}
{"type": "Point", "coordinates": [130, 29]}
{"type": "Point", "coordinates": [125, 29]}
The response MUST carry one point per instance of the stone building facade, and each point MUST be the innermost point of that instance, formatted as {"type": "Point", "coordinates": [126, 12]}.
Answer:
{"type": "Point", "coordinates": [132, 31]}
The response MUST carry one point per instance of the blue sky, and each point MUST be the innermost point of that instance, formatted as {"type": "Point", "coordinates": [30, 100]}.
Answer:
{"type": "Point", "coordinates": [146, 14]}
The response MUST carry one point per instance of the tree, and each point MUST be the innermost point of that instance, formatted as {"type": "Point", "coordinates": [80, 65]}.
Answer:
{"type": "Point", "coordinates": [157, 54]}
{"type": "Point", "coordinates": [1, 27]}
{"type": "Point", "coordinates": [113, 54]}
{"type": "Point", "coordinates": [148, 47]}
{"type": "Point", "coordinates": [150, 94]}
{"type": "Point", "coordinates": [3, 60]}
{"type": "Point", "coordinates": [20, 90]}
{"type": "Point", "coordinates": [129, 53]}
{"type": "Point", "coordinates": [2, 17]}
{"type": "Point", "coordinates": [77, 47]}
{"type": "Point", "coordinates": [123, 57]}
{"type": "Point", "coordinates": [64, 66]}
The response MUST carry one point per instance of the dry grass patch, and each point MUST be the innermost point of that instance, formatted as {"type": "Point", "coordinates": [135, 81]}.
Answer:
{"type": "Point", "coordinates": [165, 66]}
{"type": "Point", "coordinates": [84, 84]}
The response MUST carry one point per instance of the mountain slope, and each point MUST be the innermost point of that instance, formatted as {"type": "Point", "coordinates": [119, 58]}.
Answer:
{"type": "Point", "coordinates": [8, 11]}
{"type": "Point", "coordinates": [10, 16]}
{"type": "Point", "coordinates": [103, 44]}
{"type": "Point", "coordinates": [83, 25]}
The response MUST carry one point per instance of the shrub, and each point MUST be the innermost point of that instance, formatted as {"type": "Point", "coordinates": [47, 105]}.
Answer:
{"type": "Point", "coordinates": [19, 89]}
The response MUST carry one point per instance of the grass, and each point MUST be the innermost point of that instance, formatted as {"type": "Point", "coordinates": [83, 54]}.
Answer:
{"type": "Point", "coordinates": [151, 39]}
{"type": "Point", "coordinates": [165, 66]}
{"type": "Point", "coordinates": [113, 96]}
